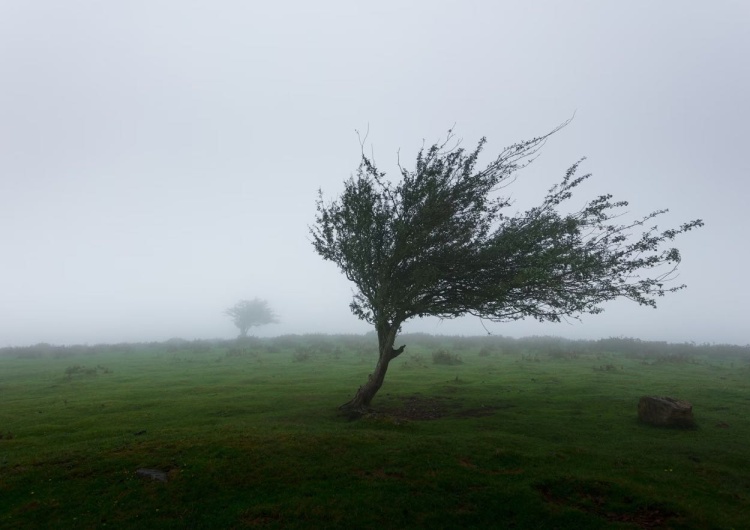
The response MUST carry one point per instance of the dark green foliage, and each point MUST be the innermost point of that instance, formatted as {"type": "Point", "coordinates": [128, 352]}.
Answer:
{"type": "Point", "coordinates": [439, 242]}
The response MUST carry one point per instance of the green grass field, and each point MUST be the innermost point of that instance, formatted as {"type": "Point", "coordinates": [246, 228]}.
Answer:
{"type": "Point", "coordinates": [534, 434]}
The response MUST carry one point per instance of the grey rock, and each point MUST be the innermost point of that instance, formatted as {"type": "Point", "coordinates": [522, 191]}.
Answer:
{"type": "Point", "coordinates": [662, 411]}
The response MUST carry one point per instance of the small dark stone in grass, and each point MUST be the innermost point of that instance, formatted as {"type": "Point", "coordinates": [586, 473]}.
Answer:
{"type": "Point", "coordinates": [152, 473]}
{"type": "Point", "coordinates": [139, 433]}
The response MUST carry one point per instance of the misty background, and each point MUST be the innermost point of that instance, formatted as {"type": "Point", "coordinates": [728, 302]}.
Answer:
{"type": "Point", "coordinates": [160, 160]}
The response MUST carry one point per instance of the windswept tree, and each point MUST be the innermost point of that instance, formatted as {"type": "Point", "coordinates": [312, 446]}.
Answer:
{"type": "Point", "coordinates": [250, 313]}
{"type": "Point", "coordinates": [438, 242]}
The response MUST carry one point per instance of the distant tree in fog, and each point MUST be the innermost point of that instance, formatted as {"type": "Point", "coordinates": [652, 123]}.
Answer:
{"type": "Point", "coordinates": [250, 313]}
{"type": "Point", "coordinates": [438, 242]}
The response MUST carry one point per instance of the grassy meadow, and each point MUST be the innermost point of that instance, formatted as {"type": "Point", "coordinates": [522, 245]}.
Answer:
{"type": "Point", "coordinates": [500, 433]}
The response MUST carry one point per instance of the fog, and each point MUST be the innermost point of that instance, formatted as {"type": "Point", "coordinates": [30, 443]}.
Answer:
{"type": "Point", "coordinates": [160, 161]}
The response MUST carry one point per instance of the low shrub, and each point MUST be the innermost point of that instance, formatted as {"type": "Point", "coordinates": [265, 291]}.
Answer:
{"type": "Point", "coordinates": [77, 369]}
{"type": "Point", "coordinates": [607, 368]}
{"type": "Point", "coordinates": [447, 358]}
{"type": "Point", "coordinates": [336, 353]}
{"type": "Point", "coordinates": [300, 356]}
{"type": "Point", "coordinates": [563, 354]}
{"type": "Point", "coordinates": [240, 352]}
{"type": "Point", "coordinates": [485, 351]}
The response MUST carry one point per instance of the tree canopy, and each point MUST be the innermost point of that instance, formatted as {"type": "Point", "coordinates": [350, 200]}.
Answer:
{"type": "Point", "coordinates": [250, 313]}
{"type": "Point", "coordinates": [439, 242]}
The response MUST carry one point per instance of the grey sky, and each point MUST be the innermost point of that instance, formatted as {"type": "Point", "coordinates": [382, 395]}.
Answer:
{"type": "Point", "coordinates": [159, 160]}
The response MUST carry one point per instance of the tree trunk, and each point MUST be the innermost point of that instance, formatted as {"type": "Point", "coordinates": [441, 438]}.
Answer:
{"type": "Point", "coordinates": [360, 403]}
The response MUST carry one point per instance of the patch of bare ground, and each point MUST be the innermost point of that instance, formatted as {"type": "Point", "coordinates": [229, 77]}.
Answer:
{"type": "Point", "coordinates": [608, 502]}
{"type": "Point", "coordinates": [416, 407]}
{"type": "Point", "coordinates": [420, 408]}
{"type": "Point", "coordinates": [379, 473]}
{"type": "Point", "coordinates": [480, 412]}
{"type": "Point", "coordinates": [468, 464]}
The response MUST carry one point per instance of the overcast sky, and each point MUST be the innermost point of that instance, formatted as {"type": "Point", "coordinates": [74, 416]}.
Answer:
{"type": "Point", "coordinates": [159, 160]}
